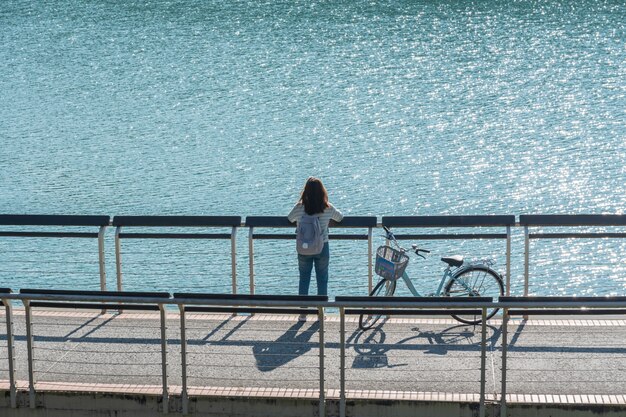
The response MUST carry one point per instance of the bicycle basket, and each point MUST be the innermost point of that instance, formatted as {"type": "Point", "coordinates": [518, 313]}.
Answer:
{"type": "Point", "coordinates": [390, 263]}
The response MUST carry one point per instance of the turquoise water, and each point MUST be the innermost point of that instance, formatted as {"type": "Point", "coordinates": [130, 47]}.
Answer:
{"type": "Point", "coordinates": [401, 107]}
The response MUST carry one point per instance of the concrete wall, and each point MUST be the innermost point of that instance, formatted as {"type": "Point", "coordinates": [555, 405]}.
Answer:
{"type": "Point", "coordinates": [66, 404]}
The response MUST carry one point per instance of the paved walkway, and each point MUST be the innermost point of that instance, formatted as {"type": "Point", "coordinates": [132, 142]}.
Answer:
{"type": "Point", "coordinates": [566, 361]}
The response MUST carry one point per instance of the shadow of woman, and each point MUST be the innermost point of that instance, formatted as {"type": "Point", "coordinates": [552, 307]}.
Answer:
{"type": "Point", "coordinates": [290, 345]}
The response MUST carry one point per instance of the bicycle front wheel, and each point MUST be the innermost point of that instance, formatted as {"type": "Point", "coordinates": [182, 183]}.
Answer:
{"type": "Point", "coordinates": [476, 281]}
{"type": "Point", "coordinates": [384, 288]}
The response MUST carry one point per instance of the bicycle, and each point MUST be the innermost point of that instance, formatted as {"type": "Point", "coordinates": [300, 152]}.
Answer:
{"type": "Point", "coordinates": [460, 279]}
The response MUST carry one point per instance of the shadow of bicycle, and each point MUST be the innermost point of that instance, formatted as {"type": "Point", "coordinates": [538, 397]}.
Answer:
{"type": "Point", "coordinates": [372, 347]}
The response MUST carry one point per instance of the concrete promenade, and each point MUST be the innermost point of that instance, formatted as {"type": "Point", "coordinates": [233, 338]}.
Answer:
{"type": "Point", "coordinates": [565, 362]}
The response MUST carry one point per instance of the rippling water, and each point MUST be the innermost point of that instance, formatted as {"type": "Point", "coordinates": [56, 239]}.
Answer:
{"type": "Point", "coordinates": [402, 107]}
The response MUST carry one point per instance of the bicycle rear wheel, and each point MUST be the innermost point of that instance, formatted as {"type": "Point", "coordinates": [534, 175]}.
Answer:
{"type": "Point", "coordinates": [384, 288]}
{"type": "Point", "coordinates": [476, 281]}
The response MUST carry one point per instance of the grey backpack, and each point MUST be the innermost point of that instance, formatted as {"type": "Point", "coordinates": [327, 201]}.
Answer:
{"type": "Point", "coordinates": [309, 239]}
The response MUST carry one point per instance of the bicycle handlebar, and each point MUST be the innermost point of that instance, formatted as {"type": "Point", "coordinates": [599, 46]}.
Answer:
{"type": "Point", "coordinates": [390, 236]}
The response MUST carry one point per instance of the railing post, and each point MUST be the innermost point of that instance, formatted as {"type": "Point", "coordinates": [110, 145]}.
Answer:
{"type": "Point", "coordinates": [164, 358]}
{"type": "Point", "coordinates": [526, 259]}
{"type": "Point", "coordinates": [483, 362]}
{"type": "Point", "coordinates": [101, 259]}
{"type": "Point", "coordinates": [370, 275]}
{"type": "Point", "coordinates": [342, 362]}
{"type": "Point", "coordinates": [508, 260]}
{"type": "Point", "coordinates": [233, 258]}
{"type": "Point", "coordinates": [183, 358]}
{"type": "Point", "coordinates": [251, 258]}
{"type": "Point", "coordinates": [118, 257]}
{"type": "Point", "coordinates": [11, 351]}
{"type": "Point", "coordinates": [322, 397]}
{"type": "Point", "coordinates": [505, 345]}
{"type": "Point", "coordinates": [31, 353]}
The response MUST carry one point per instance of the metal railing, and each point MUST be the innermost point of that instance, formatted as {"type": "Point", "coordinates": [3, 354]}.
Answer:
{"type": "Point", "coordinates": [35, 299]}
{"type": "Point", "coordinates": [10, 346]}
{"type": "Point", "coordinates": [192, 304]}
{"type": "Point", "coordinates": [20, 226]}
{"type": "Point", "coordinates": [195, 222]}
{"type": "Point", "coordinates": [566, 221]}
{"type": "Point", "coordinates": [558, 358]}
{"type": "Point", "coordinates": [412, 306]}
{"type": "Point", "coordinates": [246, 304]}
{"type": "Point", "coordinates": [48, 221]}
{"type": "Point", "coordinates": [39, 339]}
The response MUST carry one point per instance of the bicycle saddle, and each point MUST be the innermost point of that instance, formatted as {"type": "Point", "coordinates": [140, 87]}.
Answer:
{"type": "Point", "coordinates": [456, 260]}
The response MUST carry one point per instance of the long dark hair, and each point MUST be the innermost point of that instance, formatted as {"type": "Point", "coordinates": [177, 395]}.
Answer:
{"type": "Point", "coordinates": [314, 196]}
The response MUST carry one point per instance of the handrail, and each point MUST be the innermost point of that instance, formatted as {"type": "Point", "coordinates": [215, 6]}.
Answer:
{"type": "Point", "coordinates": [53, 220]}
{"type": "Point", "coordinates": [411, 302]}
{"type": "Point", "coordinates": [572, 220]}
{"type": "Point", "coordinates": [346, 300]}
{"type": "Point", "coordinates": [283, 222]}
{"type": "Point", "coordinates": [86, 298]}
{"type": "Point", "coordinates": [567, 299]}
{"type": "Point", "coordinates": [394, 306]}
{"type": "Point", "coordinates": [314, 300]}
{"type": "Point", "coordinates": [349, 221]}
{"type": "Point", "coordinates": [449, 221]}
{"type": "Point", "coordinates": [268, 221]}
{"type": "Point", "coordinates": [118, 294]}
{"type": "Point", "coordinates": [177, 221]}
{"type": "Point", "coordinates": [249, 297]}
{"type": "Point", "coordinates": [562, 302]}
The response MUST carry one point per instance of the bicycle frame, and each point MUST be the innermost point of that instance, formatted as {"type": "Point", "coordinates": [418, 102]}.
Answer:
{"type": "Point", "coordinates": [447, 274]}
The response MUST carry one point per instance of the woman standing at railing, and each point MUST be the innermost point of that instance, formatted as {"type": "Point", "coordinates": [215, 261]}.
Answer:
{"type": "Point", "coordinates": [314, 202]}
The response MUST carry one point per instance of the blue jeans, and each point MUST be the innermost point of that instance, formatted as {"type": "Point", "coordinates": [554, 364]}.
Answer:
{"type": "Point", "coordinates": [305, 265]}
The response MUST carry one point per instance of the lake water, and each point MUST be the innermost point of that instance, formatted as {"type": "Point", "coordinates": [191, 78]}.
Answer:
{"type": "Point", "coordinates": [225, 108]}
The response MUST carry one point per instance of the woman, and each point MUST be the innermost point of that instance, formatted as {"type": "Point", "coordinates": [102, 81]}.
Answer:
{"type": "Point", "coordinates": [314, 201]}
